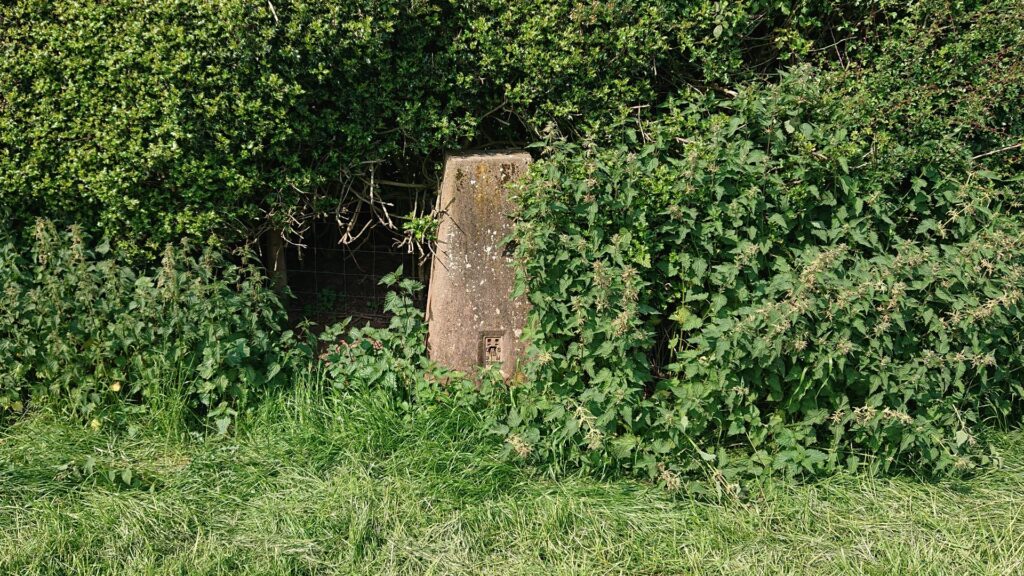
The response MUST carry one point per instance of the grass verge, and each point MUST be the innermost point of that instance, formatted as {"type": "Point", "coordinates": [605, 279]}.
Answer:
{"type": "Point", "coordinates": [313, 487]}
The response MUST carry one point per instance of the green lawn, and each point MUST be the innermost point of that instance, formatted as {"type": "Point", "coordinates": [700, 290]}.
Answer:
{"type": "Point", "coordinates": [311, 488]}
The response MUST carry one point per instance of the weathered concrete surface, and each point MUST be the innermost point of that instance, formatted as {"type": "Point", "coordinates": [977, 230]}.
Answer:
{"type": "Point", "coordinates": [472, 319]}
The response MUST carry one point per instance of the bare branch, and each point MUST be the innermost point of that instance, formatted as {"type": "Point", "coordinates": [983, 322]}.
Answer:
{"type": "Point", "coordinates": [998, 150]}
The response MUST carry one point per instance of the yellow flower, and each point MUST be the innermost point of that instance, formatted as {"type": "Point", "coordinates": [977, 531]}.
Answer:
{"type": "Point", "coordinates": [95, 424]}
{"type": "Point", "coordinates": [115, 387]}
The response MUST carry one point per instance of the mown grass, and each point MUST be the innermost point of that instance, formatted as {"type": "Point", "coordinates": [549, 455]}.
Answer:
{"type": "Point", "coordinates": [313, 487]}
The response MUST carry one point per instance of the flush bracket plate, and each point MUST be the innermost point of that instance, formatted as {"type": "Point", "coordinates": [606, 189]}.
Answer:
{"type": "Point", "coordinates": [492, 347]}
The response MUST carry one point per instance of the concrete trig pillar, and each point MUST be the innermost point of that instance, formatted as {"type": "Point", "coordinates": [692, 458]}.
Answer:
{"type": "Point", "coordinates": [472, 319]}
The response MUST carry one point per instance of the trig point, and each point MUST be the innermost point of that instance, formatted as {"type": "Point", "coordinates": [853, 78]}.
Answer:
{"type": "Point", "coordinates": [472, 320]}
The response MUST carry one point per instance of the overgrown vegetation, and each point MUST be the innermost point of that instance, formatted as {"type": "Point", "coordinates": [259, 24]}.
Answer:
{"type": "Point", "coordinates": [816, 274]}
{"type": "Point", "coordinates": [762, 240]}
{"type": "Point", "coordinates": [82, 332]}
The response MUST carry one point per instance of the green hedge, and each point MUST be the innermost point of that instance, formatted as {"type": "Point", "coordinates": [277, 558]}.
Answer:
{"type": "Point", "coordinates": [823, 273]}
{"type": "Point", "coordinates": [156, 120]}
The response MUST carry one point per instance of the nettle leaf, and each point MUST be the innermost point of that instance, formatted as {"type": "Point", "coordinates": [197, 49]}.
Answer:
{"type": "Point", "coordinates": [622, 446]}
{"type": "Point", "coordinates": [223, 424]}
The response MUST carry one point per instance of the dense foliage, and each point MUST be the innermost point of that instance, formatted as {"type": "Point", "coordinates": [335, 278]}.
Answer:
{"type": "Point", "coordinates": [393, 358]}
{"type": "Point", "coordinates": [822, 273]}
{"type": "Point", "coordinates": [763, 236]}
{"type": "Point", "coordinates": [213, 120]}
{"type": "Point", "coordinates": [83, 332]}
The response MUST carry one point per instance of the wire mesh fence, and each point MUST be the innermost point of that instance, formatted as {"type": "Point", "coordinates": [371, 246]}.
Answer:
{"type": "Point", "coordinates": [332, 281]}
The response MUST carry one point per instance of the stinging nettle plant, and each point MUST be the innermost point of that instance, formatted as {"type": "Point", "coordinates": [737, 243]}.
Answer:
{"type": "Point", "coordinates": [84, 332]}
{"type": "Point", "coordinates": [769, 283]}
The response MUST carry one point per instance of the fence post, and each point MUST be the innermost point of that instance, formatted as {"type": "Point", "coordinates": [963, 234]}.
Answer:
{"type": "Point", "coordinates": [277, 267]}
